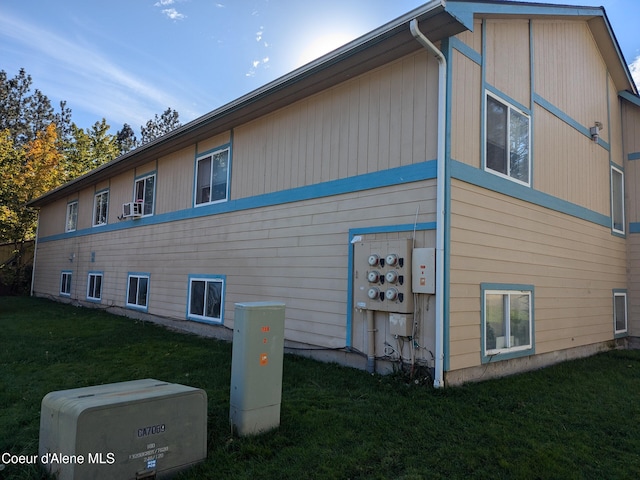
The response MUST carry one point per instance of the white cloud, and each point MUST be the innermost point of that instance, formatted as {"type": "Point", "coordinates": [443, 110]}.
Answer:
{"type": "Point", "coordinates": [173, 14]}
{"type": "Point", "coordinates": [89, 80]}
{"type": "Point", "coordinates": [635, 70]}
{"type": "Point", "coordinates": [163, 3]}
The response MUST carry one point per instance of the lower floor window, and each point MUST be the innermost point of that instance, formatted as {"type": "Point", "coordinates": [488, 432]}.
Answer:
{"type": "Point", "coordinates": [206, 298]}
{"type": "Point", "coordinates": [65, 284]}
{"type": "Point", "coordinates": [94, 286]}
{"type": "Point", "coordinates": [620, 311]}
{"type": "Point", "coordinates": [138, 291]}
{"type": "Point", "coordinates": [507, 318]}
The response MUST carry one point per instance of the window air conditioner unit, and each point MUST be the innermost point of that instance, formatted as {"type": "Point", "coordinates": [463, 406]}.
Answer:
{"type": "Point", "coordinates": [131, 209]}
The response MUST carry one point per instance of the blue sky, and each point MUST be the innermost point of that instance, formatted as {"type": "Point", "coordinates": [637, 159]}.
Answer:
{"type": "Point", "coordinates": [127, 60]}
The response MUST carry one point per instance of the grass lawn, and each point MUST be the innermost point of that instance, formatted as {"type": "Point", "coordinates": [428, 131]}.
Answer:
{"type": "Point", "coordinates": [577, 420]}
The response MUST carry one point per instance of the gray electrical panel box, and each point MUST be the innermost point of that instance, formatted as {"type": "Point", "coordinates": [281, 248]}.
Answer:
{"type": "Point", "coordinates": [256, 367]}
{"type": "Point", "coordinates": [129, 430]}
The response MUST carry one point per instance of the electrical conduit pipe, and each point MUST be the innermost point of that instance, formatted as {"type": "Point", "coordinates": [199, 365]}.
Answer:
{"type": "Point", "coordinates": [438, 380]}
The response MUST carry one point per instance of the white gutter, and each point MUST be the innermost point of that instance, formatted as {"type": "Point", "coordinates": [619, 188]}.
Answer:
{"type": "Point", "coordinates": [438, 380]}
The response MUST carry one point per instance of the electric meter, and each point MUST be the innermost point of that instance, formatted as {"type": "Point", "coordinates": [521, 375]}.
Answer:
{"type": "Point", "coordinates": [373, 276]}
{"type": "Point", "coordinates": [374, 260]}
{"type": "Point", "coordinates": [373, 293]}
{"type": "Point", "coordinates": [392, 259]}
{"type": "Point", "coordinates": [391, 294]}
{"type": "Point", "coordinates": [391, 276]}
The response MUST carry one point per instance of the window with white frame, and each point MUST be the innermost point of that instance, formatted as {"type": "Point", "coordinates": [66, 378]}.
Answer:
{"type": "Point", "coordinates": [94, 286]}
{"type": "Point", "coordinates": [206, 299]}
{"type": "Point", "coordinates": [144, 193]}
{"type": "Point", "coordinates": [507, 140]}
{"type": "Point", "coordinates": [65, 284]}
{"type": "Point", "coordinates": [138, 290]}
{"type": "Point", "coordinates": [212, 177]}
{"type": "Point", "coordinates": [620, 311]}
{"type": "Point", "coordinates": [507, 318]}
{"type": "Point", "coordinates": [617, 200]}
{"type": "Point", "coordinates": [100, 208]}
{"type": "Point", "coordinates": [72, 217]}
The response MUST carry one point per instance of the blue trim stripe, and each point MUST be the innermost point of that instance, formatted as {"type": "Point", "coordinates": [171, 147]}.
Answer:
{"type": "Point", "coordinates": [548, 106]}
{"type": "Point", "coordinates": [480, 178]}
{"type": "Point", "coordinates": [395, 176]}
{"type": "Point", "coordinates": [634, 156]}
{"type": "Point", "coordinates": [466, 50]}
{"type": "Point", "coordinates": [634, 227]}
{"type": "Point", "coordinates": [509, 99]}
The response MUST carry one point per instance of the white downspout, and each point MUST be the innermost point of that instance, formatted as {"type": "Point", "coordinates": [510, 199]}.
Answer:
{"type": "Point", "coordinates": [438, 380]}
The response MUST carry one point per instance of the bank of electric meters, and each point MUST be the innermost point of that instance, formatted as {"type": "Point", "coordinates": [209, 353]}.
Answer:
{"type": "Point", "coordinates": [389, 272]}
{"type": "Point", "coordinates": [383, 276]}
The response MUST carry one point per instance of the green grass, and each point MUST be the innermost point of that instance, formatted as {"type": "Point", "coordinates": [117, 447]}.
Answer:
{"type": "Point", "coordinates": [575, 420]}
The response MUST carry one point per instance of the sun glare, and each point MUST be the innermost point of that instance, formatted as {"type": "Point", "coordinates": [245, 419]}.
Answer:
{"type": "Point", "coordinates": [322, 45]}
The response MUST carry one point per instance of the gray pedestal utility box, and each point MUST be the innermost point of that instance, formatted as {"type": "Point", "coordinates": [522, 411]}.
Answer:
{"type": "Point", "coordinates": [256, 367]}
{"type": "Point", "coordinates": [130, 430]}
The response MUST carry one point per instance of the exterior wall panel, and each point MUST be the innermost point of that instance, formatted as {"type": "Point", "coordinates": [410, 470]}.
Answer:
{"type": "Point", "coordinates": [296, 253]}
{"type": "Point", "coordinates": [380, 120]}
{"type": "Point", "coordinates": [565, 55]}
{"type": "Point", "coordinates": [174, 181]}
{"type": "Point", "coordinates": [507, 58]}
{"type": "Point", "coordinates": [466, 98]}
{"type": "Point", "coordinates": [574, 266]}
{"type": "Point", "coordinates": [568, 165]}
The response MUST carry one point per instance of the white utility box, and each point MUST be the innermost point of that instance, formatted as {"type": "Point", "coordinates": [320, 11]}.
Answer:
{"type": "Point", "coordinates": [256, 367]}
{"type": "Point", "coordinates": [424, 270]}
{"type": "Point", "coordinates": [129, 430]}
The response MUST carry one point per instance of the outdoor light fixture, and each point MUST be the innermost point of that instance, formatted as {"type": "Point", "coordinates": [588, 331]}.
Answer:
{"type": "Point", "coordinates": [595, 131]}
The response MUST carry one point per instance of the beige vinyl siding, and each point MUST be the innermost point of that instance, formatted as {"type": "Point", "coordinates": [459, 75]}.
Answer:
{"type": "Point", "coordinates": [175, 180]}
{"type": "Point", "coordinates": [569, 71]}
{"type": "Point", "coordinates": [145, 169]}
{"type": "Point", "coordinates": [85, 208]}
{"type": "Point", "coordinates": [574, 265]}
{"type": "Point", "coordinates": [213, 142]}
{"type": "Point", "coordinates": [120, 191]}
{"type": "Point", "coordinates": [383, 119]}
{"type": "Point", "coordinates": [568, 165]}
{"type": "Point", "coordinates": [296, 253]}
{"type": "Point", "coordinates": [631, 139]}
{"type": "Point", "coordinates": [466, 97]}
{"type": "Point", "coordinates": [507, 58]}
{"type": "Point", "coordinates": [614, 133]}
{"type": "Point", "coordinates": [473, 39]}
{"type": "Point", "coordinates": [54, 221]}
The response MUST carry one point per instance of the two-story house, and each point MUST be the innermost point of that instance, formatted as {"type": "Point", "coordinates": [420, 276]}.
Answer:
{"type": "Point", "coordinates": [456, 189]}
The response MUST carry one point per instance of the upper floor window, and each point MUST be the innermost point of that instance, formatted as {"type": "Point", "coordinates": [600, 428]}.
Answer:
{"type": "Point", "coordinates": [72, 217]}
{"type": "Point", "coordinates": [212, 177]}
{"type": "Point", "coordinates": [100, 208]}
{"type": "Point", "coordinates": [144, 192]}
{"type": "Point", "coordinates": [617, 200]}
{"type": "Point", "coordinates": [507, 131]}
